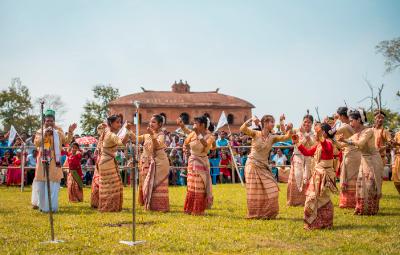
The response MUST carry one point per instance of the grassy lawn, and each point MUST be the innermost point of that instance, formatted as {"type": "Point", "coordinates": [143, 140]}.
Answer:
{"type": "Point", "coordinates": [223, 230]}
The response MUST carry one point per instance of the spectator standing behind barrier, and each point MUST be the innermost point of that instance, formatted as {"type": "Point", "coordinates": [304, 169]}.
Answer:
{"type": "Point", "coordinates": [225, 166]}
{"type": "Point", "coordinates": [279, 158]}
{"type": "Point", "coordinates": [3, 143]}
{"type": "Point", "coordinates": [222, 141]}
{"type": "Point", "coordinates": [31, 163]}
{"type": "Point", "coordinates": [274, 170]}
{"type": "Point", "coordinates": [29, 143]}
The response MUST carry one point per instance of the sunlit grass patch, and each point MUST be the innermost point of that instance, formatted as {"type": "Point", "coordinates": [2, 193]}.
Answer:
{"type": "Point", "coordinates": [222, 230]}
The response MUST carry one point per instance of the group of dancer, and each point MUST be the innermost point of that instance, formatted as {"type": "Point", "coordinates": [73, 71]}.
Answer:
{"type": "Point", "coordinates": [347, 145]}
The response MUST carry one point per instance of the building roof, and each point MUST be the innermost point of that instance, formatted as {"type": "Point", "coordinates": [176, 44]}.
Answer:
{"type": "Point", "coordinates": [181, 96]}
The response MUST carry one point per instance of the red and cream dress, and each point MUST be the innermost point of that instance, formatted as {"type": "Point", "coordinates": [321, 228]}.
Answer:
{"type": "Point", "coordinates": [318, 208]}
{"type": "Point", "coordinates": [75, 191]}
{"type": "Point", "coordinates": [154, 172]}
{"type": "Point", "coordinates": [199, 186]}
{"type": "Point", "coordinates": [261, 188]}
{"type": "Point", "coordinates": [300, 171]}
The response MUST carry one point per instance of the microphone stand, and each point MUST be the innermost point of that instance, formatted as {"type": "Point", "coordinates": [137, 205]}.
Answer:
{"type": "Point", "coordinates": [134, 170]}
{"type": "Point", "coordinates": [46, 159]}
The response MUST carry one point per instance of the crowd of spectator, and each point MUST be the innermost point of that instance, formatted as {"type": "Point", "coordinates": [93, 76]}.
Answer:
{"type": "Point", "coordinates": [223, 160]}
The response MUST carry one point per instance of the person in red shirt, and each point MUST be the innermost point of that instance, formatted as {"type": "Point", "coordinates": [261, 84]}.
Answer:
{"type": "Point", "coordinates": [225, 165]}
{"type": "Point", "coordinates": [74, 180]}
{"type": "Point", "coordinates": [14, 170]}
{"type": "Point", "coordinates": [318, 209]}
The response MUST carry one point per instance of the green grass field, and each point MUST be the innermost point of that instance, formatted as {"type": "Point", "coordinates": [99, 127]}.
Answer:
{"type": "Point", "coordinates": [223, 230]}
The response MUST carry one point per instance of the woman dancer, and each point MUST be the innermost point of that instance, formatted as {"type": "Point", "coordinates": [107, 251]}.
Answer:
{"type": "Point", "coordinates": [300, 171]}
{"type": "Point", "coordinates": [154, 167]}
{"type": "Point", "coordinates": [110, 184]}
{"type": "Point", "coordinates": [350, 163]}
{"type": "Point", "coordinates": [94, 197]}
{"type": "Point", "coordinates": [74, 179]}
{"type": "Point", "coordinates": [261, 187]}
{"type": "Point", "coordinates": [318, 209]}
{"type": "Point", "coordinates": [199, 188]}
{"type": "Point", "coordinates": [369, 180]}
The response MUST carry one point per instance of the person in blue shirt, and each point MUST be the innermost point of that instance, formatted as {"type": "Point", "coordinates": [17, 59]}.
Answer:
{"type": "Point", "coordinates": [3, 143]}
{"type": "Point", "coordinates": [222, 141]}
{"type": "Point", "coordinates": [274, 171]}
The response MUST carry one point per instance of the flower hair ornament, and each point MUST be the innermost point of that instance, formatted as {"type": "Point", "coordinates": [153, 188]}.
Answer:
{"type": "Point", "coordinates": [361, 111]}
{"type": "Point", "coordinates": [208, 123]}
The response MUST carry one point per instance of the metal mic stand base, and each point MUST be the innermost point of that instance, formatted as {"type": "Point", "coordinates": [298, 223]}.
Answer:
{"type": "Point", "coordinates": [132, 243]}
{"type": "Point", "coordinates": [53, 242]}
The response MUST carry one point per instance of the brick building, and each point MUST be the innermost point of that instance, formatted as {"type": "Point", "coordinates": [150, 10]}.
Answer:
{"type": "Point", "coordinates": [181, 102]}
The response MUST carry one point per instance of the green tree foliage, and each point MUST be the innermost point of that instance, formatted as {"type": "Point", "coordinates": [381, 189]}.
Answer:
{"type": "Point", "coordinates": [16, 108]}
{"type": "Point", "coordinates": [390, 49]}
{"type": "Point", "coordinates": [95, 111]}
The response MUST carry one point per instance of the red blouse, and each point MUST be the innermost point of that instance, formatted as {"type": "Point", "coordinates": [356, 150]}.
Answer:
{"type": "Point", "coordinates": [74, 162]}
{"type": "Point", "coordinates": [326, 152]}
{"type": "Point", "coordinates": [16, 161]}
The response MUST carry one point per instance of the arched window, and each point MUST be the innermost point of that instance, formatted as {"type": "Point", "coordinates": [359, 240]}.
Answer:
{"type": "Point", "coordinates": [185, 118]}
{"type": "Point", "coordinates": [140, 118]}
{"type": "Point", "coordinates": [230, 119]}
{"type": "Point", "coordinates": [165, 117]}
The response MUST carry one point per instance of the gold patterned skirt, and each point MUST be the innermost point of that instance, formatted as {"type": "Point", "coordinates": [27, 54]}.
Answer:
{"type": "Point", "coordinates": [75, 193]}
{"type": "Point", "coordinates": [396, 172]}
{"type": "Point", "coordinates": [348, 179]}
{"type": "Point", "coordinates": [110, 186]}
{"type": "Point", "coordinates": [262, 191]}
{"type": "Point", "coordinates": [369, 185]}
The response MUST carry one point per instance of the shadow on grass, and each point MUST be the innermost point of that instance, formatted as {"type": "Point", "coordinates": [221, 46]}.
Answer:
{"type": "Point", "coordinates": [357, 227]}
{"type": "Point", "coordinates": [76, 210]}
{"type": "Point", "coordinates": [129, 224]}
{"type": "Point", "coordinates": [391, 197]}
{"type": "Point", "coordinates": [290, 219]}
{"type": "Point", "coordinates": [388, 214]}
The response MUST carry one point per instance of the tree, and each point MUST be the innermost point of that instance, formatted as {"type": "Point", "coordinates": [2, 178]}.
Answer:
{"type": "Point", "coordinates": [390, 49]}
{"type": "Point", "coordinates": [16, 108]}
{"type": "Point", "coordinates": [55, 103]}
{"type": "Point", "coordinates": [95, 111]}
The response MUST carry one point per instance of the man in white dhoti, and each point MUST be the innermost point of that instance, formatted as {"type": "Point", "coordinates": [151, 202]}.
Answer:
{"type": "Point", "coordinates": [54, 138]}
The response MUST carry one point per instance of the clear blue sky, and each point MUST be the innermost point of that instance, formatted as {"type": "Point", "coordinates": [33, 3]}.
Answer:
{"type": "Point", "coordinates": [283, 56]}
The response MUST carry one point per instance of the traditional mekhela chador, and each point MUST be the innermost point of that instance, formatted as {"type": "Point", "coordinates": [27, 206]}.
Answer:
{"type": "Point", "coordinates": [301, 166]}
{"type": "Point", "coordinates": [396, 164]}
{"type": "Point", "coordinates": [382, 135]}
{"type": "Point", "coordinates": [154, 168]}
{"type": "Point", "coordinates": [261, 187]}
{"type": "Point", "coordinates": [369, 180]}
{"type": "Point", "coordinates": [110, 184]}
{"type": "Point", "coordinates": [199, 195]}
{"type": "Point", "coordinates": [94, 196]}
{"type": "Point", "coordinates": [53, 139]}
{"type": "Point", "coordinates": [350, 164]}
{"type": "Point", "coordinates": [75, 175]}
{"type": "Point", "coordinates": [318, 209]}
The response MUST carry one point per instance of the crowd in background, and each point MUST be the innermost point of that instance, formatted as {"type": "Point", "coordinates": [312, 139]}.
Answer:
{"type": "Point", "coordinates": [222, 161]}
